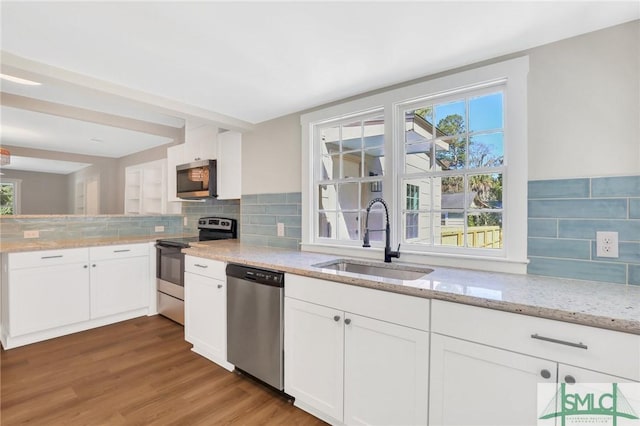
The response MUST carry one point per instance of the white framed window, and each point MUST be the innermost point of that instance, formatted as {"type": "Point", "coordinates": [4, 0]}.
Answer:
{"type": "Point", "coordinates": [10, 196]}
{"type": "Point", "coordinates": [449, 157]}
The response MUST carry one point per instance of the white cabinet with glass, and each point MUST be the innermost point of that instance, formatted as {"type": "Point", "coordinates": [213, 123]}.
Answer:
{"type": "Point", "coordinates": [491, 362]}
{"type": "Point", "coordinates": [146, 189]}
{"type": "Point", "coordinates": [356, 355]}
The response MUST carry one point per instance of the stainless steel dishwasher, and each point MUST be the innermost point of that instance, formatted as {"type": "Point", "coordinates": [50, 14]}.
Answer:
{"type": "Point", "coordinates": [255, 327]}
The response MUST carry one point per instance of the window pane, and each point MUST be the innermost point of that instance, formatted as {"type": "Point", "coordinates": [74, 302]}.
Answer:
{"type": "Point", "coordinates": [417, 194]}
{"type": "Point", "coordinates": [371, 190]}
{"type": "Point", "coordinates": [7, 198]}
{"type": "Point", "coordinates": [374, 162]}
{"type": "Point", "coordinates": [327, 197]}
{"type": "Point", "coordinates": [349, 226]}
{"type": "Point", "coordinates": [373, 129]}
{"type": "Point", "coordinates": [450, 118]}
{"type": "Point", "coordinates": [450, 231]}
{"type": "Point", "coordinates": [452, 193]}
{"type": "Point", "coordinates": [418, 157]}
{"type": "Point", "coordinates": [484, 230]}
{"type": "Point", "coordinates": [352, 136]}
{"type": "Point", "coordinates": [330, 167]}
{"type": "Point", "coordinates": [418, 227]}
{"type": "Point", "coordinates": [348, 197]}
{"type": "Point", "coordinates": [327, 224]}
{"type": "Point", "coordinates": [451, 153]}
{"type": "Point", "coordinates": [485, 112]}
{"type": "Point", "coordinates": [486, 150]}
{"type": "Point", "coordinates": [485, 191]}
{"type": "Point", "coordinates": [351, 164]}
{"type": "Point", "coordinates": [330, 140]}
{"type": "Point", "coordinates": [418, 125]}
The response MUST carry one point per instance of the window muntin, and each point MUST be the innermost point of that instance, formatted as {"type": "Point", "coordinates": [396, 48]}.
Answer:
{"type": "Point", "coordinates": [465, 167]}
{"type": "Point", "coordinates": [349, 175]}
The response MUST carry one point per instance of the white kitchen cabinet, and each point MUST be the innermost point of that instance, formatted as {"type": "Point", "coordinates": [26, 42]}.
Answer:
{"type": "Point", "coordinates": [314, 352]}
{"type": "Point", "coordinates": [119, 279]}
{"type": "Point", "coordinates": [473, 384]}
{"type": "Point", "coordinates": [490, 362]}
{"type": "Point", "coordinates": [344, 365]}
{"type": "Point", "coordinates": [203, 142]}
{"type": "Point", "coordinates": [205, 322]}
{"type": "Point", "coordinates": [46, 290]}
{"type": "Point", "coordinates": [51, 293]}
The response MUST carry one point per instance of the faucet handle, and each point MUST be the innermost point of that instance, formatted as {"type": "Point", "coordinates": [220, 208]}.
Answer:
{"type": "Point", "coordinates": [397, 253]}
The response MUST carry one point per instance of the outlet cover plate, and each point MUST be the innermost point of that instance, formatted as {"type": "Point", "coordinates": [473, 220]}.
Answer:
{"type": "Point", "coordinates": [280, 229]}
{"type": "Point", "coordinates": [606, 244]}
{"type": "Point", "coordinates": [32, 234]}
{"type": "Point", "coordinates": [159, 228]}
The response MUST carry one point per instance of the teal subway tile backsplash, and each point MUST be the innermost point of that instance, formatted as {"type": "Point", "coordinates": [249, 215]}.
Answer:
{"type": "Point", "coordinates": [621, 186]}
{"type": "Point", "coordinates": [561, 188]}
{"type": "Point", "coordinates": [564, 216]}
{"type": "Point", "coordinates": [579, 208]}
{"type": "Point", "coordinates": [261, 213]}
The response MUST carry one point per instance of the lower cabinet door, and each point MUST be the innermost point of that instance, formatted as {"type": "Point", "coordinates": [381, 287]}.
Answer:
{"type": "Point", "coordinates": [48, 297]}
{"type": "Point", "coordinates": [473, 384]}
{"type": "Point", "coordinates": [119, 285]}
{"type": "Point", "coordinates": [386, 373]}
{"type": "Point", "coordinates": [205, 315]}
{"type": "Point", "coordinates": [313, 348]}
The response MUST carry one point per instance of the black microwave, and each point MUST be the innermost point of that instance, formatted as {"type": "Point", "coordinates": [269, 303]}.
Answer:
{"type": "Point", "coordinates": [197, 180]}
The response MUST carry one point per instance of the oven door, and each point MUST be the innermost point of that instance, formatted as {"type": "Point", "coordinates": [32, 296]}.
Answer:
{"type": "Point", "coordinates": [170, 270]}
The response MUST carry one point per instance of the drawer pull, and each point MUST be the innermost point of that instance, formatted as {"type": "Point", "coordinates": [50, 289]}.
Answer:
{"type": "Point", "coordinates": [122, 251]}
{"type": "Point", "coordinates": [336, 318]}
{"type": "Point", "coordinates": [545, 374]}
{"type": "Point", "coordinates": [52, 257]}
{"type": "Point", "coordinates": [347, 321]}
{"type": "Point", "coordinates": [219, 285]}
{"type": "Point", "coordinates": [200, 266]}
{"type": "Point", "coordinates": [569, 379]}
{"type": "Point", "coordinates": [560, 342]}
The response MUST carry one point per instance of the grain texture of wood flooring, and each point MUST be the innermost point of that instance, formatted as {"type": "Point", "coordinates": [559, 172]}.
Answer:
{"type": "Point", "coordinates": [137, 372]}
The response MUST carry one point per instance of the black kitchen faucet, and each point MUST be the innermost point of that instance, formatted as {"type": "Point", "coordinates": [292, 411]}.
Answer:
{"type": "Point", "coordinates": [388, 253]}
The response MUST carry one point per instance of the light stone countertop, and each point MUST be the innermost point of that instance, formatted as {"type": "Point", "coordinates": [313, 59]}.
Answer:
{"type": "Point", "coordinates": [38, 244]}
{"type": "Point", "coordinates": [597, 304]}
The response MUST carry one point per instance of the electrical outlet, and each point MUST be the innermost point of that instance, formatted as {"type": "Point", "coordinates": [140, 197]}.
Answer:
{"type": "Point", "coordinates": [606, 244]}
{"type": "Point", "coordinates": [185, 221]}
{"type": "Point", "coordinates": [280, 229]}
{"type": "Point", "coordinates": [159, 228]}
{"type": "Point", "coordinates": [32, 234]}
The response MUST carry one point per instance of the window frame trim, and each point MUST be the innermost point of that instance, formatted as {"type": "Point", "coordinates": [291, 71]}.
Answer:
{"type": "Point", "coordinates": [514, 71]}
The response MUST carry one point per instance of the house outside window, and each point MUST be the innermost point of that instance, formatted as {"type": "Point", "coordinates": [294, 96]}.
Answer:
{"type": "Point", "coordinates": [447, 155]}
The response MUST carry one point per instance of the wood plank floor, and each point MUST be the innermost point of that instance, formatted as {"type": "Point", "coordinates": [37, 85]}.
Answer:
{"type": "Point", "coordinates": [137, 372]}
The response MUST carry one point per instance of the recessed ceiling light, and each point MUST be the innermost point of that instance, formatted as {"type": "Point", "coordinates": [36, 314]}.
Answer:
{"type": "Point", "coordinates": [19, 80]}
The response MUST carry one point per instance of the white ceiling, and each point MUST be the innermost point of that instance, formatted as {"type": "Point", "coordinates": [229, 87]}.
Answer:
{"type": "Point", "coordinates": [44, 165]}
{"type": "Point", "coordinates": [259, 60]}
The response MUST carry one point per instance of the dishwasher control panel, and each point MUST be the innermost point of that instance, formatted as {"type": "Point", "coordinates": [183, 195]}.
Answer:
{"type": "Point", "coordinates": [260, 276]}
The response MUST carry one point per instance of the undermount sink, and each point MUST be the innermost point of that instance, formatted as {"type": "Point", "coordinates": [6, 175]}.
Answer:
{"type": "Point", "coordinates": [384, 270]}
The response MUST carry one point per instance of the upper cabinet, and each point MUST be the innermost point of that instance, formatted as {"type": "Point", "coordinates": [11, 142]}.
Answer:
{"type": "Point", "coordinates": [145, 189]}
{"type": "Point", "coordinates": [204, 142]}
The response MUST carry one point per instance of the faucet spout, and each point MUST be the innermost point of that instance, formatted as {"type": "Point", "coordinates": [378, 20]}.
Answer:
{"type": "Point", "coordinates": [388, 253]}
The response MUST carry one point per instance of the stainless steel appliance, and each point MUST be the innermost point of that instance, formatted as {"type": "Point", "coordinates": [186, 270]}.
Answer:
{"type": "Point", "coordinates": [170, 263]}
{"type": "Point", "coordinates": [255, 327]}
{"type": "Point", "coordinates": [197, 180]}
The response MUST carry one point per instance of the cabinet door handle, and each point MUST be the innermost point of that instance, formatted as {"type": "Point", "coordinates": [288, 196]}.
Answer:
{"type": "Point", "coordinates": [121, 251]}
{"type": "Point", "coordinates": [57, 256]}
{"type": "Point", "coordinates": [545, 374]}
{"type": "Point", "coordinates": [560, 342]}
{"type": "Point", "coordinates": [93, 266]}
{"type": "Point", "coordinates": [200, 266]}
{"type": "Point", "coordinates": [219, 285]}
{"type": "Point", "coordinates": [347, 321]}
{"type": "Point", "coordinates": [85, 266]}
{"type": "Point", "coordinates": [336, 318]}
{"type": "Point", "coordinates": [569, 379]}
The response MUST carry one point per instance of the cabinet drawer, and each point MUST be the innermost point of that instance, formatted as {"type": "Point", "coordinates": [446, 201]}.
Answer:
{"type": "Point", "coordinates": [206, 267]}
{"type": "Point", "coordinates": [118, 251]}
{"type": "Point", "coordinates": [47, 257]}
{"type": "Point", "coordinates": [593, 348]}
{"type": "Point", "coordinates": [383, 305]}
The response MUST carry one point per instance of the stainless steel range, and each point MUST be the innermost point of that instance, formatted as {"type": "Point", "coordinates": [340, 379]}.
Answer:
{"type": "Point", "coordinates": [170, 263]}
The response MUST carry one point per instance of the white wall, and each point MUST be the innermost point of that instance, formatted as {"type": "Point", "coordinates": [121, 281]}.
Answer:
{"type": "Point", "coordinates": [584, 105]}
{"type": "Point", "coordinates": [271, 157]}
{"type": "Point", "coordinates": [583, 115]}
